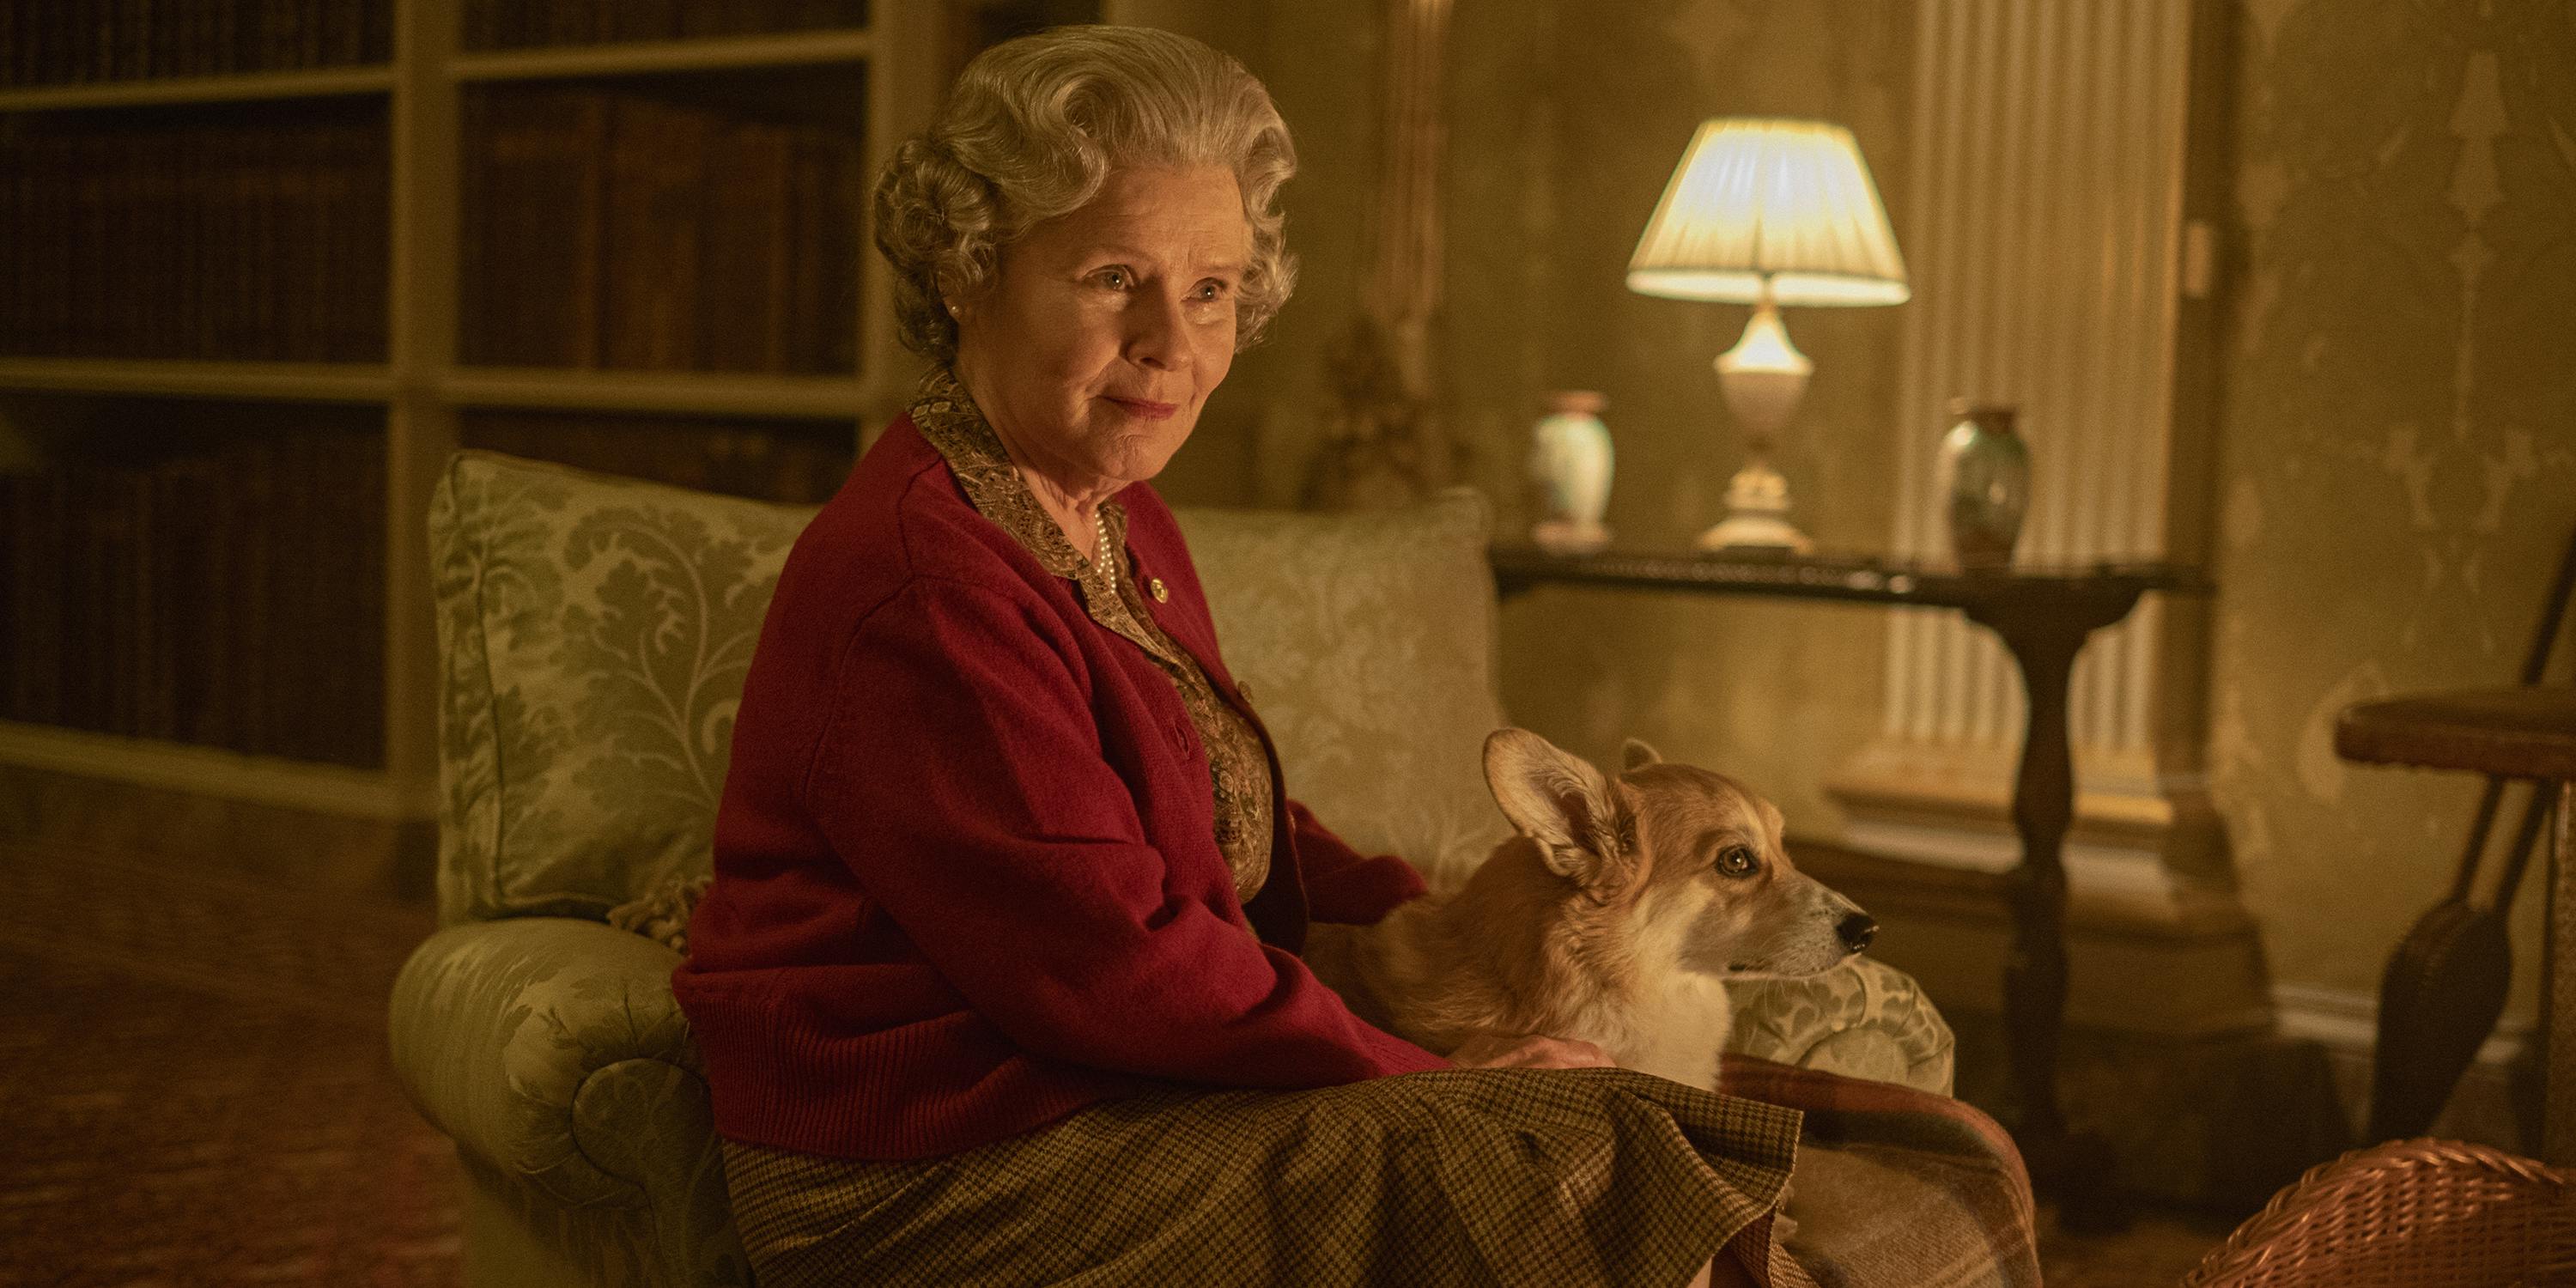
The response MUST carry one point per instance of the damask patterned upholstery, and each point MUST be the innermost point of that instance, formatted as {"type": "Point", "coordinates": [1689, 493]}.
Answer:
{"type": "Point", "coordinates": [594, 633]}
{"type": "Point", "coordinates": [1374, 674]}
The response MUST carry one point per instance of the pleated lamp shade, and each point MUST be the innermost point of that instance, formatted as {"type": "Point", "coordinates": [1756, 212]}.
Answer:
{"type": "Point", "coordinates": [1788, 200]}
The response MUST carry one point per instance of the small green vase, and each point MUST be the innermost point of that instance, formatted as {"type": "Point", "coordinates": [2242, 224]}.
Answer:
{"type": "Point", "coordinates": [1984, 482]}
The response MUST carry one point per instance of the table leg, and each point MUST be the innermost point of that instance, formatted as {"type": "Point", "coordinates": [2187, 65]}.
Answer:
{"type": "Point", "coordinates": [2043, 805]}
{"type": "Point", "coordinates": [2075, 1170]}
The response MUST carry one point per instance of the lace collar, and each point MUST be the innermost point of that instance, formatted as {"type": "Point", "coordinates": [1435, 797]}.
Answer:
{"type": "Point", "coordinates": [946, 415]}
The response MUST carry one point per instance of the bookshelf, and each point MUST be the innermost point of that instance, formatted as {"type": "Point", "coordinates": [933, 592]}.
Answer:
{"type": "Point", "coordinates": [704, 393]}
{"type": "Point", "coordinates": [371, 382]}
{"type": "Point", "coordinates": [789, 49]}
{"type": "Point", "coordinates": [409, 86]}
{"type": "Point", "coordinates": [247, 86]}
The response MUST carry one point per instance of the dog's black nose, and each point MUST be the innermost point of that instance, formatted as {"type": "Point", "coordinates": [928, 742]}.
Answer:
{"type": "Point", "coordinates": [1857, 930]}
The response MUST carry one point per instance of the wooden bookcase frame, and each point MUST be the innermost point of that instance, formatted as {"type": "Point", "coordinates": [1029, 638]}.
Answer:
{"type": "Point", "coordinates": [421, 386]}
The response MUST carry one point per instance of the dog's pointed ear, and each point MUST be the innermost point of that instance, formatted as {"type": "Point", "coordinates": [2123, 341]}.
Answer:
{"type": "Point", "coordinates": [1635, 754]}
{"type": "Point", "coordinates": [1558, 800]}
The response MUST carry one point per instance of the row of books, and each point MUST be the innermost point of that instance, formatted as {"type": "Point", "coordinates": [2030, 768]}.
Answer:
{"type": "Point", "coordinates": [801, 463]}
{"type": "Point", "coordinates": [56, 42]}
{"type": "Point", "coordinates": [228, 598]}
{"type": "Point", "coordinates": [614, 230]}
{"type": "Point", "coordinates": [233, 240]}
{"type": "Point", "coordinates": [519, 24]}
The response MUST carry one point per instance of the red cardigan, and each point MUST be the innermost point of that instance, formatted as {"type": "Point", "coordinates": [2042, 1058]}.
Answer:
{"type": "Point", "coordinates": [967, 878]}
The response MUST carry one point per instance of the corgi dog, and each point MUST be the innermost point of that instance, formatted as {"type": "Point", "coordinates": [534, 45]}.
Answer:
{"type": "Point", "coordinates": [1614, 916]}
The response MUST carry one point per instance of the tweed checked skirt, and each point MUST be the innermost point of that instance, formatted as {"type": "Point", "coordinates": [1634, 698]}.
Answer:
{"type": "Point", "coordinates": [1486, 1177]}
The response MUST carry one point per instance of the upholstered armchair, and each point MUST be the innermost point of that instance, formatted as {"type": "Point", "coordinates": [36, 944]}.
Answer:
{"type": "Point", "coordinates": [594, 633]}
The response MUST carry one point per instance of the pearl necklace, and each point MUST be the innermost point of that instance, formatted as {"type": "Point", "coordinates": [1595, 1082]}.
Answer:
{"type": "Point", "coordinates": [1100, 552]}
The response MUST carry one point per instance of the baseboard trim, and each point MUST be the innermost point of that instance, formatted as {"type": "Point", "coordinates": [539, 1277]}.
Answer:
{"type": "Point", "coordinates": [2231, 1118]}
{"type": "Point", "coordinates": [2347, 1021]}
{"type": "Point", "coordinates": [2494, 1104]}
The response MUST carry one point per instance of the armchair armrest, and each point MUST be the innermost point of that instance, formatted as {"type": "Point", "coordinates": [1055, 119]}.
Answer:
{"type": "Point", "coordinates": [551, 1050]}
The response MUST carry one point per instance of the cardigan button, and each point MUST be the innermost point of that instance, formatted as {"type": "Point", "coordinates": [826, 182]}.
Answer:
{"type": "Point", "coordinates": [1162, 593]}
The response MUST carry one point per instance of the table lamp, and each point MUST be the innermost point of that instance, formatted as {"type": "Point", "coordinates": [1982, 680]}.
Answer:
{"type": "Point", "coordinates": [1768, 212]}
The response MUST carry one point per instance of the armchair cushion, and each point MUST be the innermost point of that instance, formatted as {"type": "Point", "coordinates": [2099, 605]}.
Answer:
{"type": "Point", "coordinates": [1368, 641]}
{"type": "Point", "coordinates": [594, 633]}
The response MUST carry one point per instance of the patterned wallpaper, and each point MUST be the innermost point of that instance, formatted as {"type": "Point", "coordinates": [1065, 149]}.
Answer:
{"type": "Point", "coordinates": [2398, 474]}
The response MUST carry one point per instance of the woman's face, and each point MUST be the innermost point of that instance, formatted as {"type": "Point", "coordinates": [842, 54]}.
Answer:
{"type": "Point", "coordinates": [1103, 331]}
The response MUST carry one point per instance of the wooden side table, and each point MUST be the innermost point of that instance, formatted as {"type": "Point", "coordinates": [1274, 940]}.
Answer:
{"type": "Point", "coordinates": [2043, 615]}
{"type": "Point", "coordinates": [2526, 732]}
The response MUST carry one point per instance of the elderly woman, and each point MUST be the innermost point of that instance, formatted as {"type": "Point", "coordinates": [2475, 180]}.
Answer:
{"type": "Point", "coordinates": [997, 982]}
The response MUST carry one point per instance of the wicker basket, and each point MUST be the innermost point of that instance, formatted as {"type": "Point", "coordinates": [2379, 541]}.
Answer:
{"type": "Point", "coordinates": [2409, 1212]}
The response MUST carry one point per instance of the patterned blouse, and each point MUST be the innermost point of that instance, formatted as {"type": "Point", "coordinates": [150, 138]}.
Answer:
{"type": "Point", "coordinates": [1238, 768]}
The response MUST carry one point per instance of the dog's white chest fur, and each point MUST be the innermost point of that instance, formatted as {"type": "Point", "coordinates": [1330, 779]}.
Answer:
{"type": "Point", "coordinates": [1672, 1021]}
{"type": "Point", "coordinates": [1673, 1030]}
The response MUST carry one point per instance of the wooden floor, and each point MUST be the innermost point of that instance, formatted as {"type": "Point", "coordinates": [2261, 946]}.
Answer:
{"type": "Point", "coordinates": [195, 1089]}
{"type": "Point", "coordinates": [2158, 1249]}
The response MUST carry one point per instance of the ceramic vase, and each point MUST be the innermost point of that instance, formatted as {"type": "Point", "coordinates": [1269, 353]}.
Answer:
{"type": "Point", "coordinates": [1983, 482]}
{"type": "Point", "coordinates": [1569, 473]}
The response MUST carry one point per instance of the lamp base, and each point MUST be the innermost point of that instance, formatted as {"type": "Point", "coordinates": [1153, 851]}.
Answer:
{"type": "Point", "coordinates": [1755, 532]}
{"type": "Point", "coordinates": [1757, 514]}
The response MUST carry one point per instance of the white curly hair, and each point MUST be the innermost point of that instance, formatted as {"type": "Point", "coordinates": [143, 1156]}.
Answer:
{"type": "Point", "coordinates": [1032, 129]}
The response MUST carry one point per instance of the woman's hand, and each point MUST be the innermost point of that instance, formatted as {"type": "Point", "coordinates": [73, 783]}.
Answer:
{"type": "Point", "coordinates": [1527, 1051]}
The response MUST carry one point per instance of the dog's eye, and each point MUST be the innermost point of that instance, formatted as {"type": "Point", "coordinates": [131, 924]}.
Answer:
{"type": "Point", "coordinates": [1737, 861]}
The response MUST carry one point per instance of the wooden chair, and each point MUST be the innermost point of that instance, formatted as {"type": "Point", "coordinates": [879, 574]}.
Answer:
{"type": "Point", "coordinates": [2524, 732]}
{"type": "Point", "coordinates": [2446, 982]}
